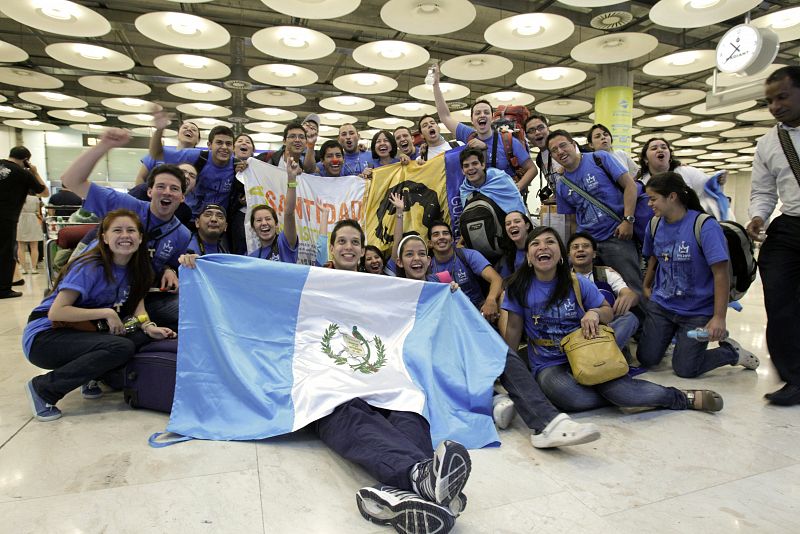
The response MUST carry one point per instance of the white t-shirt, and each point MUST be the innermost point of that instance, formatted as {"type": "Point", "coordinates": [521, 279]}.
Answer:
{"type": "Point", "coordinates": [434, 151]}
{"type": "Point", "coordinates": [612, 277]}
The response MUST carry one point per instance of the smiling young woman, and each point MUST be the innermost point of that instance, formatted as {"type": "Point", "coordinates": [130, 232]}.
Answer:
{"type": "Point", "coordinates": [102, 285]}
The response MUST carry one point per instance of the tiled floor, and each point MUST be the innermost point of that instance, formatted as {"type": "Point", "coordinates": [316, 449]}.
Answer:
{"type": "Point", "coordinates": [92, 471]}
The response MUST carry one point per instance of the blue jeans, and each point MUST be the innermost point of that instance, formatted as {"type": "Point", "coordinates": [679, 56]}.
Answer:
{"type": "Point", "coordinates": [76, 357]}
{"type": "Point", "coordinates": [561, 388]}
{"type": "Point", "coordinates": [529, 400]}
{"type": "Point", "coordinates": [691, 358]}
{"type": "Point", "coordinates": [162, 309]}
{"type": "Point", "coordinates": [624, 327]}
{"type": "Point", "coordinates": [623, 257]}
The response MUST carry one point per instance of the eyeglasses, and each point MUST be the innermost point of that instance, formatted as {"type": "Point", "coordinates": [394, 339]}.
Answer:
{"type": "Point", "coordinates": [561, 147]}
{"type": "Point", "coordinates": [296, 136]}
{"type": "Point", "coordinates": [539, 128]}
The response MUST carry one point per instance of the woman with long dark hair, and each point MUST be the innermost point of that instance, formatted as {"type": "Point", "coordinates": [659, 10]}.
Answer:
{"type": "Point", "coordinates": [274, 244]}
{"type": "Point", "coordinates": [95, 290]}
{"type": "Point", "coordinates": [687, 282]}
{"type": "Point", "coordinates": [541, 302]}
{"type": "Point", "coordinates": [657, 157]}
{"type": "Point", "coordinates": [515, 232]}
{"type": "Point", "coordinates": [549, 428]}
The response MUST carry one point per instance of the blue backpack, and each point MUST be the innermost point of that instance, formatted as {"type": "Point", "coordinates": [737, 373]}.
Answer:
{"type": "Point", "coordinates": [742, 266]}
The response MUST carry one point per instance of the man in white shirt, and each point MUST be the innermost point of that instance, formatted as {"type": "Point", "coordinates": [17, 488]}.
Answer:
{"type": "Point", "coordinates": [779, 260]}
{"type": "Point", "coordinates": [433, 143]}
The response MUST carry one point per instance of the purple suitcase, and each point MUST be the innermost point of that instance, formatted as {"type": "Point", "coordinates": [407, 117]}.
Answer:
{"type": "Point", "coordinates": [150, 376]}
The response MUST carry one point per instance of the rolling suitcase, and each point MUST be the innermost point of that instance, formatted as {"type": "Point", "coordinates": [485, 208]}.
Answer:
{"type": "Point", "coordinates": [150, 376]}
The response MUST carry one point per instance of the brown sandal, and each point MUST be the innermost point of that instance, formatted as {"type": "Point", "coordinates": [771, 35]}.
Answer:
{"type": "Point", "coordinates": [704, 400]}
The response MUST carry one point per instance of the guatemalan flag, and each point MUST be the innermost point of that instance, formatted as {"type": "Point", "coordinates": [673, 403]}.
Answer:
{"type": "Point", "coordinates": [266, 348]}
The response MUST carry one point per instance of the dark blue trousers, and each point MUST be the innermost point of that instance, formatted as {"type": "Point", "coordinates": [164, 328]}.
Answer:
{"type": "Point", "coordinates": [386, 443]}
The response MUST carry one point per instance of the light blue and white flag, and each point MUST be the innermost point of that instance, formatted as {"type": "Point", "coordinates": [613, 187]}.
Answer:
{"type": "Point", "coordinates": [266, 348]}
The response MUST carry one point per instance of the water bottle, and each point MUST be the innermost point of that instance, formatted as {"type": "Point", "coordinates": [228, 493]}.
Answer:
{"type": "Point", "coordinates": [134, 322]}
{"type": "Point", "coordinates": [701, 334]}
{"type": "Point", "coordinates": [429, 77]}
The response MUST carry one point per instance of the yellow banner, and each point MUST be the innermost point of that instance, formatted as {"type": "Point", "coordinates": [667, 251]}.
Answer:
{"type": "Point", "coordinates": [425, 194]}
{"type": "Point", "coordinates": [613, 108]}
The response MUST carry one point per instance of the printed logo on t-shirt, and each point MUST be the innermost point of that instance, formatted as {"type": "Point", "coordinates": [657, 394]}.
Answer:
{"type": "Point", "coordinates": [683, 253]}
{"type": "Point", "coordinates": [4, 172]}
{"type": "Point", "coordinates": [166, 249]}
{"type": "Point", "coordinates": [461, 277]}
{"type": "Point", "coordinates": [569, 309]}
{"type": "Point", "coordinates": [122, 298]}
{"type": "Point", "coordinates": [590, 182]}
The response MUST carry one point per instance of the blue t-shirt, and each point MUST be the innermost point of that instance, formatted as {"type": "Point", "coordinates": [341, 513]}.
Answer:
{"type": "Point", "coordinates": [377, 163]}
{"type": "Point", "coordinates": [166, 248]}
{"type": "Point", "coordinates": [149, 162]}
{"type": "Point", "coordinates": [519, 259]}
{"type": "Point", "coordinates": [554, 322]}
{"type": "Point", "coordinates": [518, 149]}
{"type": "Point", "coordinates": [355, 163]}
{"type": "Point", "coordinates": [592, 179]}
{"type": "Point", "coordinates": [466, 276]}
{"type": "Point", "coordinates": [204, 248]}
{"type": "Point", "coordinates": [213, 183]}
{"type": "Point", "coordinates": [498, 187]}
{"type": "Point", "coordinates": [284, 253]}
{"type": "Point", "coordinates": [88, 279]}
{"type": "Point", "coordinates": [684, 283]}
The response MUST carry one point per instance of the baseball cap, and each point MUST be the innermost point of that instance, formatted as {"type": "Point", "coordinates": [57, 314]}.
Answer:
{"type": "Point", "coordinates": [313, 117]}
{"type": "Point", "coordinates": [215, 207]}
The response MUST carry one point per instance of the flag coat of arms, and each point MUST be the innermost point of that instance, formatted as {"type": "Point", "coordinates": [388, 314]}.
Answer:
{"type": "Point", "coordinates": [266, 348]}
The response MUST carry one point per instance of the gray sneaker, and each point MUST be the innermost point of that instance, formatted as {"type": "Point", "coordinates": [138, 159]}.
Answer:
{"type": "Point", "coordinates": [406, 512]}
{"type": "Point", "coordinates": [442, 478]}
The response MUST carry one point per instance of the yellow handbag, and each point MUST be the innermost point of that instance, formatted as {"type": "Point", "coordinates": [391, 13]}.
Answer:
{"type": "Point", "coordinates": [597, 360]}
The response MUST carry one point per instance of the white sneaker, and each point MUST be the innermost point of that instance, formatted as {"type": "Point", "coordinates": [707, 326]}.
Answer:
{"type": "Point", "coordinates": [747, 359]}
{"type": "Point", "coordinates": [502, 410]}
{"type": "Point", "coordinates": [563, 431]}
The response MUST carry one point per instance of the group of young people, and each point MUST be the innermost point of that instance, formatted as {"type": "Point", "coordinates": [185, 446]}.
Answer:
{"type": "Point", "coordinates": [131, 269]}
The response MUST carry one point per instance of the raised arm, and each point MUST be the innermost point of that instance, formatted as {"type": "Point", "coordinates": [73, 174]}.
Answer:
{"type": "Point", "coordinates": [76, 177]}
{"type": "Point", "coordinates": [142, 174]}
{"type": "Point", "coordinates": [310, 157]}
{"type": "Point", "coordinates": [441, 106]}
{"type": "Point", "coordinates": [399, 205]}
{"type": "Point", "coordinates": [156, 147]}
{"type": "Point", "coordinates": [293, 170]}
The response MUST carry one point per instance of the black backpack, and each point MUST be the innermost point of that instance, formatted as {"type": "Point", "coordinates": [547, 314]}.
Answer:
{"type": "Point", "coordinates": [481, 226]}
{"type": "Point", "coordinates": [742, 266]}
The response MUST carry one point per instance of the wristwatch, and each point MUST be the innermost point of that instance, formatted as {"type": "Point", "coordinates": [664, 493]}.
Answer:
{"type": "Point", "coordinates": [630, 218]}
